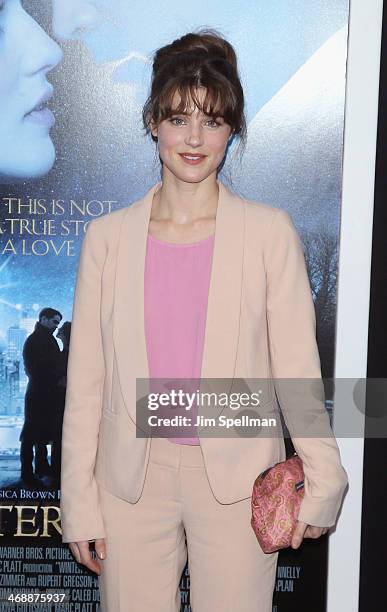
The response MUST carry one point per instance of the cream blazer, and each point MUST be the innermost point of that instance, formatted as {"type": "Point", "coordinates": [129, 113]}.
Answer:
{"type": "Point", "coordinates": [260, 325]}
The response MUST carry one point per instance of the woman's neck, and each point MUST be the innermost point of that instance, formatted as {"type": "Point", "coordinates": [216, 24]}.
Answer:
{"type": "Point", "coordinates": [184, 212]}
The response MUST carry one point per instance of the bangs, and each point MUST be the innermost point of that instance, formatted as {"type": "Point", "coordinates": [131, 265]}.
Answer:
{"type": "Point", "coordinates": [188, 95]}
{"type": "Point", "coordinates": [196, 73]}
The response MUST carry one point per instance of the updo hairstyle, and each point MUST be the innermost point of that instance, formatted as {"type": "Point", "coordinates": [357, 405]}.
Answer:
{"type": "Point", "coordinates": [197, 59]}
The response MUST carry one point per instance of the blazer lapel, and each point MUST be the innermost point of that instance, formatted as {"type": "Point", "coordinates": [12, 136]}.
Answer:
{"type": "Point", "coordinates": [128, 311]}
{"type": "Point", "coordinates": [224, 298]}
{"type": "Point", "coordinates": [225, 293]}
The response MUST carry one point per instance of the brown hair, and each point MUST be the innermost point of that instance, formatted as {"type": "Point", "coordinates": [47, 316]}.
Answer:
{"type": "Point", "coordinates": [197, 59]}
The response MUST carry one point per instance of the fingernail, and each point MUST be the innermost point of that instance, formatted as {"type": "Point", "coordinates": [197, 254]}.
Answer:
{"type": "Point", "coordinates": [101, 555]}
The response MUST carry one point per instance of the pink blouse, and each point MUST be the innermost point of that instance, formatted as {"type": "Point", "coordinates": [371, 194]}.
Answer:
{"type": "Point", "coordinates": [177, 279]}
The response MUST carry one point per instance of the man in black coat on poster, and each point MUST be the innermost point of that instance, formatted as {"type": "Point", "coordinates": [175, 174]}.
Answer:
{"type": "Point", "coordinates": [43, 366]}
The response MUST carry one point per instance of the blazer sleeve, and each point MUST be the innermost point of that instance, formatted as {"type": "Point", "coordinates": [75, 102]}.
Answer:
{"type": "Point", "coordinates": [296, 371]}
{"type": "Point", "coordinates": [80, 513]}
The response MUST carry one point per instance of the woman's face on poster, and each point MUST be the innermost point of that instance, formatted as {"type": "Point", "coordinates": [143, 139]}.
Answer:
{"type": "Point", "coordinates": [117, 29]}
{"type": "Point", "coordinates": [27, 54]}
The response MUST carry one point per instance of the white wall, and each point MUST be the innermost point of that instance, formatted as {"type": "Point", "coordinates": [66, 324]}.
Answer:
{"type": "Point", "coordinates": [354, 283]}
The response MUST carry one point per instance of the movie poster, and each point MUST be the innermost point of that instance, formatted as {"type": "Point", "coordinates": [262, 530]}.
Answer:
{"type": "Point", "coordinates": [74, 76]}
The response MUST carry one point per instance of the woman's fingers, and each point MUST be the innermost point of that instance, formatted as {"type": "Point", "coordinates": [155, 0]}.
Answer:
{"type": "Point", "coordinates": [315, 532]}
{"type": "Point", "coordinates": [82, 554]}
{"type": "Point", "coordinates": [86, 558]}
{"type": "Point", "coordinates": [303, 530]}
{"type": "Point", "coordinates": [75, 551]}
{"type": "Point", "coordinates": [100, 548]}
{"type": "Point", "coordinates": [298, 534]}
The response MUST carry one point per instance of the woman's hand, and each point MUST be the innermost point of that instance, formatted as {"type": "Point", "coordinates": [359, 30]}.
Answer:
{"type": "Point", "coordinates": [303, 530]}
{"type": "Point", "coordinates": [82, 554]}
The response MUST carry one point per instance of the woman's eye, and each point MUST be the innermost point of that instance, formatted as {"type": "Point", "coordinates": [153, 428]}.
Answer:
{"type": "Point", "coordinates": [180, 120]}
{"type": "Point", "coordinates": [173, 119]}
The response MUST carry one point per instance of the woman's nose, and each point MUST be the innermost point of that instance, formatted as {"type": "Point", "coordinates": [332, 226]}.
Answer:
{"type": "Point", "coordinates": [71, 18]}
{"type": "Point", "coordinates": [42, 53]}
{"type": "Point", "coordinates": [194, 137]}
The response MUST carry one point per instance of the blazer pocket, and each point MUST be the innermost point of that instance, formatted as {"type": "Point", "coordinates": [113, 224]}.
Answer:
{"type": "Point", "coordinates": [109, 406]}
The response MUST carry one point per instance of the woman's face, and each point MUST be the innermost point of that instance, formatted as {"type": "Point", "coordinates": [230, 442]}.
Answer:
{"type": "Point", "coordinates": [27, 54]}
{"type": "Point", "coordinates": [115, 29]}
{"type": "Point", "coordinates": [192, 146]}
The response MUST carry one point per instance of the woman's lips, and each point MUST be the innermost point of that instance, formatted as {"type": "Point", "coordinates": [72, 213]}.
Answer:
{"type": "Point", "coordinates": [39, 113]}
{"type": "Point", "coordinates": [192, 160]}
{"type": "Point", "coordinates": [43, 117]}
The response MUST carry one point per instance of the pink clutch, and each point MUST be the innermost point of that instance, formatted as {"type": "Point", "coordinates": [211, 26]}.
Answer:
{"type": "Point", "coordinates": [275, 503]}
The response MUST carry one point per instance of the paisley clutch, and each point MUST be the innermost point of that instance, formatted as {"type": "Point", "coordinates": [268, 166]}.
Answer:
{"type": "Point", "coordinates": [275, 503]}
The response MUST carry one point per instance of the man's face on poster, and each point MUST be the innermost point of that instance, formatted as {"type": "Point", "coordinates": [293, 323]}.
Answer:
{"type": "Point", "coordinates": [51, 323]}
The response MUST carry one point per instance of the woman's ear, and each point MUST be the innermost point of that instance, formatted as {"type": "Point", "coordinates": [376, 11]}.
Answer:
{"type": "Point", "coordinates": [153, 128]}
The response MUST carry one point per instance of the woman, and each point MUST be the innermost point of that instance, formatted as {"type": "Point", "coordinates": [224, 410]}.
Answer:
{"type": "Point", "coordinates": [190, 281]}
{"type": "Point", "coordinates": [27, 54]}
{"type": "Point", "coordinates": [63, 333]}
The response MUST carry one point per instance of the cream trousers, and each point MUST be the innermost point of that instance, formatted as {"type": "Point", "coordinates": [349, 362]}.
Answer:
{"type": "Point", "coordinates": [177, 517]}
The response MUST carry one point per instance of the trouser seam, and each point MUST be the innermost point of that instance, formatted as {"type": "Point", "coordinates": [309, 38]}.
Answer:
{"type": "Point", "coordinates": [177, 578]}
